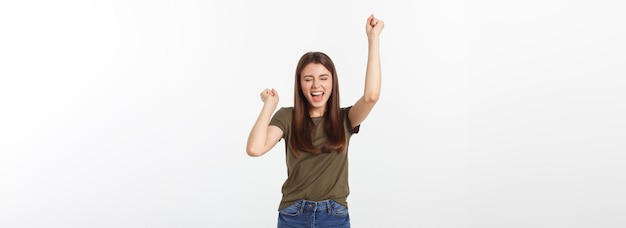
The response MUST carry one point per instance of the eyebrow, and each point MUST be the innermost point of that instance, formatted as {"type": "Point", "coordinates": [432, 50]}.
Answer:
{"type": "Point", "coordinates": [321, 75]}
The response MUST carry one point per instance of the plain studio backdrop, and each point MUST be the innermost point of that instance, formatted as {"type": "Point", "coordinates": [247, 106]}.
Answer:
{"type": "Point", "coordinates": [136, 113]}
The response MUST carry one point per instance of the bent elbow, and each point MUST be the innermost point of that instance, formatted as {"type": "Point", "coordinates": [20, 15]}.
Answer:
{"type": "Point", "coordinates": [254, 155]}
{"type": "Point", "coordinates": [371, 98]}
{"type": "Point", "coordinates": [252, 152]}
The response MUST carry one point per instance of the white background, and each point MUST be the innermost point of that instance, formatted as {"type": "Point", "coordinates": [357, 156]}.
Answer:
{"type": "Point", "coordinates": [136, 113]}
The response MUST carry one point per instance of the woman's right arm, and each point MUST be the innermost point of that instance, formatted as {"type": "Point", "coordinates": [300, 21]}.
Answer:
{"type": "Point", "coordinates": [263, 136]}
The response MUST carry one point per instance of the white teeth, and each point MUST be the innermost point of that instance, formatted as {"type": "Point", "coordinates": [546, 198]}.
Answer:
{"type": "Point", "coordinates": [317, 93]}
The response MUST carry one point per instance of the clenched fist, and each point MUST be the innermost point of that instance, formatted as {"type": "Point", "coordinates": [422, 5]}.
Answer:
{"type": "Point", "coordinates": [269, 96]}
{"type": "Point", "coordinates": [374, 27]}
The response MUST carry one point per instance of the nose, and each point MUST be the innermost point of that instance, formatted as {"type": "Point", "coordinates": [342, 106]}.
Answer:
{"type": "Point", "coordinates": [316, 83]}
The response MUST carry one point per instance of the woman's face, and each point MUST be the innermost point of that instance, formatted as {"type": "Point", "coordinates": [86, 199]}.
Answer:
{"type": "Point", "coordinates": [316, 83]}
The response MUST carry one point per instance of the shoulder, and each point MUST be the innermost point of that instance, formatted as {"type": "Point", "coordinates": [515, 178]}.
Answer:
{"type": "Point", "coordinates": [282, 118]}
{"type": "Point", "coordinates": [285, 110]}
{"type": "Point", "coordinates": [346, 117]}
{"type": "Point", "coordinates": [345, 110]}
{"type": "Point", "coordinates": [284, 113]}
{"type": "Point", "coordinates": [344, 113]}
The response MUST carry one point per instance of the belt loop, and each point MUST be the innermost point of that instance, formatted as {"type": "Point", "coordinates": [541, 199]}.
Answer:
{"type": "Point", "coordinates": [328, 208]}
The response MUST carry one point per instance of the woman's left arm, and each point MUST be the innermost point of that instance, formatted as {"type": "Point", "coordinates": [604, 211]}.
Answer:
{"type": "Point", "coordinates": [364, 105]}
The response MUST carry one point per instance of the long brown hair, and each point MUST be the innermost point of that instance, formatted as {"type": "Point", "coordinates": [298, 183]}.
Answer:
{"type": "Point", "coordinates": [302, 127]}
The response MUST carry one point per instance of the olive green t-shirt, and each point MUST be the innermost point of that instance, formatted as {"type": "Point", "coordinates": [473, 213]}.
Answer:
{"type": "Point", "coordinates": [314, 177]}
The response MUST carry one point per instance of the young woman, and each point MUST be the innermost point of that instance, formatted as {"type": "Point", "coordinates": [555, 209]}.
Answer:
{"type": "Point", "coordinates": [317, 132]}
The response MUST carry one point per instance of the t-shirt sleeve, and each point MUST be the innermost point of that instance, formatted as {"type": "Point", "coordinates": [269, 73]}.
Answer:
{"type": "Point", "coordinates": [351, 129]}
{"type": "Point", "coordinates": [281, 119]}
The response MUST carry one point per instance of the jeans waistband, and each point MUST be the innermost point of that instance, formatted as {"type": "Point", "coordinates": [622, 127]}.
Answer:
{"type": "Point", "coordinates": [308, 205]}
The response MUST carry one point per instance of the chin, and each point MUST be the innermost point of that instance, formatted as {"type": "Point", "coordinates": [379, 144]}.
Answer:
{"type": "Point", "coordinates": [317, 105]}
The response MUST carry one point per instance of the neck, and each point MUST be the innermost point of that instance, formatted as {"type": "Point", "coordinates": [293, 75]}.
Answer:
{"type": "Point", "coordinates": [316, 112]}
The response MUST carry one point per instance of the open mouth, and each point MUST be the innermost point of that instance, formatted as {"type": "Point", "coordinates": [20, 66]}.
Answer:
{"type": "Point", "coordinates": [317, 96]}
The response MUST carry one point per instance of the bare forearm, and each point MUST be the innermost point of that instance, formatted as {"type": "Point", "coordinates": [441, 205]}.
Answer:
{"type": "Point", "coordinates": [373, 71]}
{"type": "Point", "coordinates": [258, 135]}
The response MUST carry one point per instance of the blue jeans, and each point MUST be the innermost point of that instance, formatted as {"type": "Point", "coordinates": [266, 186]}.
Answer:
{"type": "Point", "coordinates": [314, 214]}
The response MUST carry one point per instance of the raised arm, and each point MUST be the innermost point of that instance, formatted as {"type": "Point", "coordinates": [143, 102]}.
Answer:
{"type": "Point", "coordinates": [263, 136]}
{"type": "Point", "coordinates": [364, 105]}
